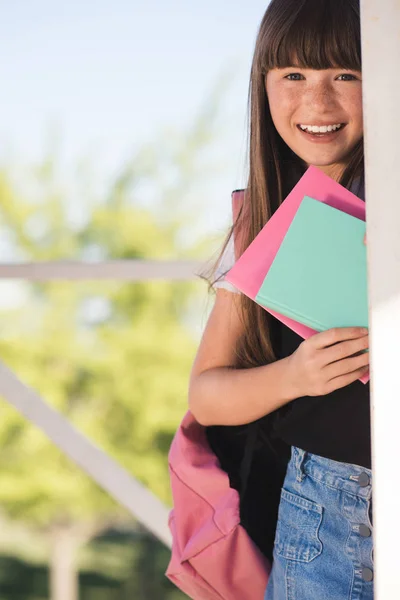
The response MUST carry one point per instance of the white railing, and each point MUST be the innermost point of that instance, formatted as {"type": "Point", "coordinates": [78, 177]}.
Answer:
{"type": "Point", "coordinates": [123, 270]}
{"type": "Point", "coordinates": [143, 505]}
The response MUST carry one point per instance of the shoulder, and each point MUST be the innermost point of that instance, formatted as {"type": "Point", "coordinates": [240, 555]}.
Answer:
{"type": "Point", "coordinates": [228, 257]}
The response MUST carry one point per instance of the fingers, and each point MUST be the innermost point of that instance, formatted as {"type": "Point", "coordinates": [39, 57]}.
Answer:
{"type": "Point", "coordinates": [365, 239]}
{"type": "Point", "coordinates": [345, 349]}
{"type": "Point", "coordinates": [337, 335]}
{"type": "Point", "coordinates": [343, 380]}
{"type": "Point", "coordinates": [347, 366]}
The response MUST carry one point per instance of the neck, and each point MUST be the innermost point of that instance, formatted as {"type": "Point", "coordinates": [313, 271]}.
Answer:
{"type": "Point", "coordinates": [335, 172]}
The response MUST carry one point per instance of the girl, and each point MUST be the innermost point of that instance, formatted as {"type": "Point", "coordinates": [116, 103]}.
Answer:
{"type": "Point", "coordinates": [311, 412]}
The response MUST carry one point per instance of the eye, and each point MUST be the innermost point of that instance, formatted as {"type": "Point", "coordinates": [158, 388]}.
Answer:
{"type": "Point", "coordinates": [294, 77]}
{"type": "Point", "coordinates": [347, 77]}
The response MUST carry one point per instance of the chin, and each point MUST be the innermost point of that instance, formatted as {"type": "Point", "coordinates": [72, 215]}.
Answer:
{"type": "Point", "coordinates": [323, 162]}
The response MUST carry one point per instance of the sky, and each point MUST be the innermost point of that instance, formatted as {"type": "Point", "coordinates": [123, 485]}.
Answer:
{"type": "Point", "coordinates": [108, 75]}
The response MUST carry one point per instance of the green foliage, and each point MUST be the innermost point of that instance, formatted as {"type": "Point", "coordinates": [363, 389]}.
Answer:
{"type": "Point", "coordinates": [116, 567]}
{"type": "Point", "coordinates": [120, 374]}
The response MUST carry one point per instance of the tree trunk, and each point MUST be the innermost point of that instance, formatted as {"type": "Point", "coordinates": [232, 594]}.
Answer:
{"type": "Point", "coordinates": [63, 573]}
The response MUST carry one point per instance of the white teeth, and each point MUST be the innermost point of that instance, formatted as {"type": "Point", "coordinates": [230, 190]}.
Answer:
{"type": "Point", "coordinates": [322, 129]}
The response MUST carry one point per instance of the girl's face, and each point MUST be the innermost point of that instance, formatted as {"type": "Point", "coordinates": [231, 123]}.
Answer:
{"type": "Point", "coordinates": [306, 107]}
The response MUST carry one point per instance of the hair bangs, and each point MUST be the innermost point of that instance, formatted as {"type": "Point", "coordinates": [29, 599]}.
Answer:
{"type": "Point", "coordinates": [313, 34]}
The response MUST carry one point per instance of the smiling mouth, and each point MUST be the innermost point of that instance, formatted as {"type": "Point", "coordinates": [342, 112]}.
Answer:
{"type": "Point", "coordinates": [321, 131]}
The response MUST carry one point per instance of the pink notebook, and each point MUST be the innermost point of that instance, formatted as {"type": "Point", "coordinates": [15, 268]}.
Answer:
{"type": "Point", "coordinates": [249, 271]}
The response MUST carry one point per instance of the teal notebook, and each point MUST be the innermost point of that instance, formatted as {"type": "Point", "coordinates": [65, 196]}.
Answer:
{"type": "Point", "coordinates": [319, 274]}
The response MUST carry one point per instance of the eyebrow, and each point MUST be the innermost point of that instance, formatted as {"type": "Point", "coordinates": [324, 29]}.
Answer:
{"type": "Point", "coordinates": [339, 68]}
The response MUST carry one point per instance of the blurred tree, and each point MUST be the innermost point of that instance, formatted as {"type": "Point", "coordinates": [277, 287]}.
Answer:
{"type": "Point", "coordinates": [122, 566]}
{"type": "Point", "coordinates": [112, 357]}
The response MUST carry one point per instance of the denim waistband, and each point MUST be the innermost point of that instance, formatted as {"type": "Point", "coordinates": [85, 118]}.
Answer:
{"type": "Point", "coordinates": [338, 475]}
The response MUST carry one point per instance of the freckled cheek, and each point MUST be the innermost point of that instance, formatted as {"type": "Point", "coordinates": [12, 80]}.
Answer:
{"type": "Point", "coordinates": [283, 108]}
{"type": "Point", "coordinates": [360, 116]}
{"type": "Point", "coordinates": [354, 108]}
{"type": "Point", "coordinates": [358, 123]}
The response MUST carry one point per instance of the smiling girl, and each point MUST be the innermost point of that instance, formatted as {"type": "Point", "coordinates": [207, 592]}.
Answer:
{"type": "Point", "coordinates": [309, 492]}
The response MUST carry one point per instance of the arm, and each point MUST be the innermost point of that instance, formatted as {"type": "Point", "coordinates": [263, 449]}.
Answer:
{"type": "Point", "coordinates": [222, 394]}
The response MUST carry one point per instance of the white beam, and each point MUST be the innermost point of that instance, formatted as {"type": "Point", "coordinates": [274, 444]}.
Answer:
{"type": "Point", "coordinates": [124, 270]}
{"type": "Point", "coordinates": [146, 507]}
{"type": "Point", "coordinates": [381, 54]}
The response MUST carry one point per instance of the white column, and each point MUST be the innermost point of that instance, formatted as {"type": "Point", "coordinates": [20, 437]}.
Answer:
{"type": "Point", "coordinates": [381, 55]}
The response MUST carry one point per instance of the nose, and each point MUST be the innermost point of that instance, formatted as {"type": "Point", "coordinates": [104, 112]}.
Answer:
{"type": "Point", "coordinates": [320, 96]}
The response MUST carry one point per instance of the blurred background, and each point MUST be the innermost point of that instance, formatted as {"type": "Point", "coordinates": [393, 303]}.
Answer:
{"type": "Point", "coordinates": [122, 135]}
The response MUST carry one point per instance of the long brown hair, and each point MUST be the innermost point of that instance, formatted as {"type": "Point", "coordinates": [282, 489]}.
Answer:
{"type": "Point", "coordinates": [317, 34]}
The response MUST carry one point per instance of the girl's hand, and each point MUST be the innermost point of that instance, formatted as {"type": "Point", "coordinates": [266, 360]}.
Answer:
{"type": "Point", "coordinates": [365, 239]}
{"type": "Point", "coordinates": [329, 360]}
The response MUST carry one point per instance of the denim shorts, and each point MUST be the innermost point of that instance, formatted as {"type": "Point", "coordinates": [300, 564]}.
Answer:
{"type": "Point", "coordinates": [323, 545]}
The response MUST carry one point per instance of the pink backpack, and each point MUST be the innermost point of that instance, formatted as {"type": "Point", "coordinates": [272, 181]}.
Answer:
{"type": "Point", "coordinates": [213, 557]}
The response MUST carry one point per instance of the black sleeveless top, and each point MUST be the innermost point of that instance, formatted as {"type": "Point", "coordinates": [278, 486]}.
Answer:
{"type": "Point", "coordinates": [335, 426]}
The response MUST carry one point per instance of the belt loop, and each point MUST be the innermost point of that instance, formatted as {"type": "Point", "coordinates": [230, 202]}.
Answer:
{"type": "Point", "coordinates": [299, 459]}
